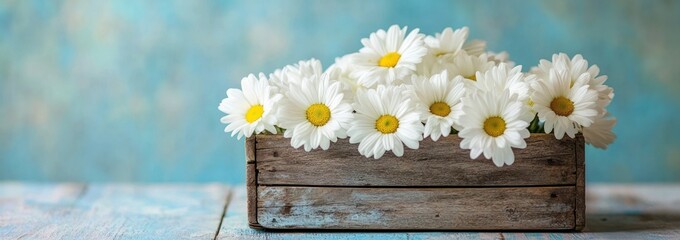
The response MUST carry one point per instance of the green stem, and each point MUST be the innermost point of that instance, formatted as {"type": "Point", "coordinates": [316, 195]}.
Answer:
{"type": "Point", "coordinates": [533, 126]}
{"type": "Point", "coordinates": [454, 131]}
{"type": "Point", "coordinates": [279, 130]}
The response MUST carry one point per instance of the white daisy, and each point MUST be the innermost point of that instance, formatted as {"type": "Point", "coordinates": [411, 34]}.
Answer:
{"type": "Point", "coordinates": [600, 134]}
{"type": "Point", "coordinates": [468, 65]}
{"type": "Point", "coordinates": [504, 77]}
{"type": "Point", "coordinates": [341, 70]}
{"type": "Point", "coordinates": [314, 113]}
{"type": "Point", "coordinates": [385, 120]}
{"type": "Point", "coordinates": [562, 107]}
{"type": "Point", "coordinates": [281, 78]}
{"type": "Point", "coordinates": [388, 57]}
{"type": "Point", "coordinates": [441, 49]}
{"type": "Point", "coordinates": [303, 69]}
{"type": "Point", "coordinates": [494, 123]}
{"type": "Point", "coordinates": [445, 45]}
{"type": "Point", "coordinates": [252, 109]}
{"type": "Point", "coordinates": [439, 104]}
{"type": "Point", "coordinates": [577, 66]}
{"type": "Point", "coordinates": [276, 81]}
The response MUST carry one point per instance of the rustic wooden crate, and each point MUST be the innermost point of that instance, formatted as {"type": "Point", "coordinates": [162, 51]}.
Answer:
{"type": "Point", "coordinates": [436, 187]}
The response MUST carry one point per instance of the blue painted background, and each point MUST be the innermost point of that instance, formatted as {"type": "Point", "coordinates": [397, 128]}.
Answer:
{"type": "Point", "coordinates": [128, 90]}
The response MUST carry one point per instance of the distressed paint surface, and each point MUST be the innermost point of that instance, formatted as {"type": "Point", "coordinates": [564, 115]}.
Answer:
{"type": "Point", "coordinates": [128, 90]}
{"type": "Point", "coordinates": [111, 211]}
{"type": "Point", "coordinates": [40, 211]}
{"type": "Point", "coordinates": [521, 208]}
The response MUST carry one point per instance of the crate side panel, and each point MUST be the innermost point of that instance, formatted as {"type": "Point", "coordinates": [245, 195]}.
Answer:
{"type": "Point", "coordinates": [526, 208]}
{"type": "Point", "coordinates": [545, 161]}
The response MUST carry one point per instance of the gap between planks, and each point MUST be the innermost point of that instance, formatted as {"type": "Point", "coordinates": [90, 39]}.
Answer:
{"type": "Point", "coordinates": [230, 195]}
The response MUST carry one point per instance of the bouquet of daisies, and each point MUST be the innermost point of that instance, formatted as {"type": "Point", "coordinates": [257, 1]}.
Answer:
{"type": "Point", "coordinates": [402, 87]}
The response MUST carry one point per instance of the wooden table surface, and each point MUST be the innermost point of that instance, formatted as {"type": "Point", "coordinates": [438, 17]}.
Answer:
{"type": "Point", "coordinates": [215, 211]}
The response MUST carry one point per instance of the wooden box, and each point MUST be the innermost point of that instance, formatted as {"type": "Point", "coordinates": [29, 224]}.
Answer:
{"type": "Point", "coordinates": [437, 187]}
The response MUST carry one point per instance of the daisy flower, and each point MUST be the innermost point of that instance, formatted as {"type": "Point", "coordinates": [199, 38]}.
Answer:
{"type": "Point", "coordinates": [577, 66]}
{"type": "Point", "coordinates": [446, 44]}
{"type": "Point", "coordinates": [444, 47]}
{"type": "Point", "coordinates": [504, 77]}
{"type": "Point", "coordinates": [388, 57]}
{"type": "Point", "coordinates": [385, 120]}
{"type": "Point", "coordinates": [314, 113]}
{"type": "Point", "coordinates": [276, 81]}
{"type": "Point", "coordinates": [600, 134]}
{"type": "Point", "coordinates": [303, 69]}
{"type": "Point", "coordinates": [494, 123]}
{"type": "Point", "coordinates": [294, 73]}
{"type": "Point", "coordinates": [252, 109]}
{"type": "Point", "coordinates": [468, 65]}
{"type": "Point", "coordinates": [439, 103]}
{"type": "Point", "coordinates": [441, 49]}
{"type": "Point", "coordinates": [563, 107]}
{"type": "Point", "coordinates": [341, 70]}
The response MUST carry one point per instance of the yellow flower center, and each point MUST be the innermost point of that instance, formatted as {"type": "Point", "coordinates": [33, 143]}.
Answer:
{"type": "Point", "coordinates": [387, 124]}
{"type": "Point", "coordinates": [472, 77]}
{"type": "Point", "coordinates": [494, 126]}
{"type": "Point", "coordinates": [254, 113]}
{"type": "Point", "coordinates": [318, 114]}
{"type": "Point", "coordinates": [562, 106]}
{"type": "Point", "coordinates": [389, 60]}
{"type": "Point", "coordinates": [440, 109]}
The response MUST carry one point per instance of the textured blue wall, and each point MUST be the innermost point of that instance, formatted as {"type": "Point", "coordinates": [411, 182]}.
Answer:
{"type": "Point", "coordinates": [128, 90]}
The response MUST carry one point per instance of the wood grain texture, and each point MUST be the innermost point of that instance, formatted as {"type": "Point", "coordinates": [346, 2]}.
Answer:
{"type": "Point", "coordinates": [545, 161]}
{"type": "Point", "coordinates": [580, 210]}
{"type": "Point", "coordinates": [250, 150]}
{"type": "Point", "coordinates": [132, 212]}
{"type": "Point", "coordinates": [534, 208]}
{"type": "Point", "coordinates": [251, 183]}
{"type": "Point", "coordinates": [28, 208]}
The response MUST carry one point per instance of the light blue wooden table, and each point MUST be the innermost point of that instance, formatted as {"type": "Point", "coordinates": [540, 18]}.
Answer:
{"type": "Point", "coordinates": [215, 211]}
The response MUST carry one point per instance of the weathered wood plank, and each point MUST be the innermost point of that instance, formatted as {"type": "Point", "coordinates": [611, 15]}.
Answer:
{"type": "Point", "coordinates": [580, 210]}
{"type": "Point", "coordinates": [27, 208]}
{"type": "Point", "coordinates": [235, 226]}
{"type": "Point", "coordinates": [416, 208]}
{"type": "Point", "coordinates": [139, 212]}
{"type": "Point", "coordinates": [545, 161]}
